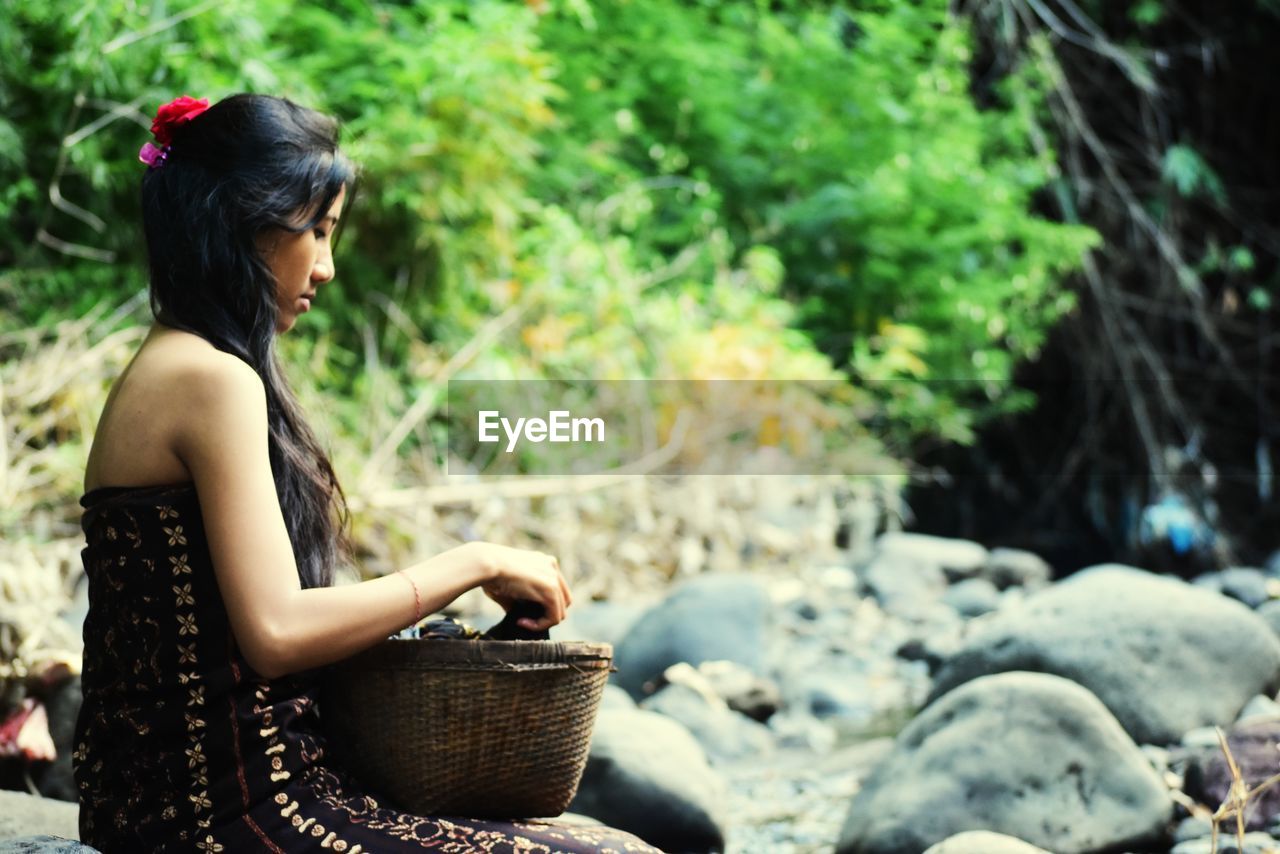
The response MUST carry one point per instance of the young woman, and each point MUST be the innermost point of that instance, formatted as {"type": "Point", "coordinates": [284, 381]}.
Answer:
{"type": "Point", "coordinates": [213, 524]}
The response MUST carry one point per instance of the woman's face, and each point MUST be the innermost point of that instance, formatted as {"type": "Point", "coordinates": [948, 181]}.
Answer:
{"type": "Point", "coordinates": [300, 264]}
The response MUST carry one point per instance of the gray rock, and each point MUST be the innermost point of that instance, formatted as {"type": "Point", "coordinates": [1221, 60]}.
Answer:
{"type": "Point", "coordinates": [1200, 738]}
{"type": "Point", "coordinates": [1007, 568]}
{"type": "Point", "coordinates": [904, 586]}
{"type": "Point", "coordinates": [723, 733]}
{"type": "Point", "coordinates": [646, 774]}
{"type": "Point", "coordinates": [1272, 566]}
{"type": "Point", "coordinates": [1192, 828]}
{"type": "Point", "coordinates": [1270, 611]}
{"type": "Point", "coordinates": [603, 622]}
{"type": "Point", "coordinates": [956, 558]}
{"type": "Point", "coordinates": [832, 695]}
{"type": "Point", "coordinates": [798, 729]}
{"type": "Point", "coordinates": [932, 649]}
{"type": "Point", "coordinates": [983, 842]}
{"type": "Point", "coordinates": [972, 597]}
{"type": "Point", "coordinates": [707, 618]}
{"type": "Point", "coordinates": [44, 844]}
{"type": "Point", "coordinates": [1157, 757]}
{"type": "Point", "coordinates": [615, 698]}
{"type": "Point", "coordinates": [1029, 755]}
{"type": "Point", "coordinates": [1247, 584]}
{"type": "Point", "coordinates": [1254, 843]}
{"type": "Point", "coordinates": [804, 609]}
{"type": "Point", "coordinates": [743, 691]}
{"type": "Point", "coordinates": [26, 815]}
{"type": "Point", "coordinates": [1137, 641]}
{"type": "Point", "coordinates": [1260, 708]}
{"type": "Point", "coordinates": [1244, 584]}
{"type": "Point", "coordinates": [838, 579]}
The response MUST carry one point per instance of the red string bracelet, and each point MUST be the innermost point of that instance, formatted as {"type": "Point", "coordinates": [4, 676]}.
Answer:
{"type": "Point", "coordinates": [417, 600]}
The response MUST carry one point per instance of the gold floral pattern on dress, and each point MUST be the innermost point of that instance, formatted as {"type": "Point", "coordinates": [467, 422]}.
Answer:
{"type": "Point", "coordinates": [133, 533]}
{"type": "Point", "coordinates": [196, 726]}
{"type": "Point", "coordinates": [195, 756]}
{"type": "Point", "coordinates": [270, 731]}
{"type": "Point", "coordinates": [207, 844]}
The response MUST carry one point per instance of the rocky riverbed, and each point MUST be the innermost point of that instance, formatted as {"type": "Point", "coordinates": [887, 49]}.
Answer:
{"type": "Point", "coordinates": [902, 700]}
{"type": "Point", "coordinates": [935, 687]}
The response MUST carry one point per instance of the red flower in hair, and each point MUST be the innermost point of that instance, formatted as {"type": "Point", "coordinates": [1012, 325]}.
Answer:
{"type": "Point", "coordinates": [174, 113]}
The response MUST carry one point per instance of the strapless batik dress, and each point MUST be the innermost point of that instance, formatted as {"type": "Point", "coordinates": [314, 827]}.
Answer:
{"type": "Point", "coordinates": [181, 746]}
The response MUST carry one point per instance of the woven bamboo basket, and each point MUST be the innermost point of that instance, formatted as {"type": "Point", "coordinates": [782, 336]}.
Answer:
{"type": "Point", "coordinates": [481, 728]}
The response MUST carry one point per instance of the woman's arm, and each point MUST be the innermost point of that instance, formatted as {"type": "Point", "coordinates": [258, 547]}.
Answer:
{"type": "Point", "coordinates": [281, 628]}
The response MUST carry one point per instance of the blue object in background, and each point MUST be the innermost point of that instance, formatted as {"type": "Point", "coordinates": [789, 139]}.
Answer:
{"type": "Point", "coordinates": [1172, 521]}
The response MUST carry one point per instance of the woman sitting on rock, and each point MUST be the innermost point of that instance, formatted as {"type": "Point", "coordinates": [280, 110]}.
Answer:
{"type": "Point", "coordinates": [212, 527]}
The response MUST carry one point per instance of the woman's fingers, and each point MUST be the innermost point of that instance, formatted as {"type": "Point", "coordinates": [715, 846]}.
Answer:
{"type": "Point", "coordinates": [564, 584]}
{"type": "Point", "coordinates": [564, 591]}
{"type": "Point", "coordinates": [557, 595]}
{"type": "Point", "coordinates": [530, 575]}
{"type": "Point", "coordinates": [567, 597]}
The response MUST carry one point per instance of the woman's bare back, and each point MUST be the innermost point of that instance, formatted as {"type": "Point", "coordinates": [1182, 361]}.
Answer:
{"type": "Point", "coordinates": [133, 444]}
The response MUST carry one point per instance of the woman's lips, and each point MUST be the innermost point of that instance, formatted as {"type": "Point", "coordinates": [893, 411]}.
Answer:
{"type": "Point", "coordinates": [306, 303]}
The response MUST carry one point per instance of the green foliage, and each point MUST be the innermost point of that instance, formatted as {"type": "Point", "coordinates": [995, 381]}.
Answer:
{"type": "Point", "coordinates": [651, 189]}
{"type": "Point", "coordinates": [1148, 12]}
{"type": "Point", "coordinates": [1190, 175]}
{"type": "Point", "coordinates": [852, 147]}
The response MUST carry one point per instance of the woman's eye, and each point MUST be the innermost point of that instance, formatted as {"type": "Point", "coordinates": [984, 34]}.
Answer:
{"type": "Point", "coordinates": [320, 234]}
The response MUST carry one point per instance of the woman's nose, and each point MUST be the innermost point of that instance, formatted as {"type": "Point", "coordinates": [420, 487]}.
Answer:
{"type": "Point", "coordinates": [322, 270]}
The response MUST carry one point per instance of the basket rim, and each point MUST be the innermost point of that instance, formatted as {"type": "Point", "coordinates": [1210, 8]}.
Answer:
{"type": "Point", "coordinates": [422, 653]}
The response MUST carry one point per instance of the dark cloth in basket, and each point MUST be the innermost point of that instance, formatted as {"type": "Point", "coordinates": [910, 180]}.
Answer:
{"type": "Point", "coordinates": [181, 746]}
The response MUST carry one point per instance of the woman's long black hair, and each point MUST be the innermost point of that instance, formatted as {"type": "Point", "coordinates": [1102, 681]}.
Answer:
{"type": "Point", "coordinates": [247, 164]}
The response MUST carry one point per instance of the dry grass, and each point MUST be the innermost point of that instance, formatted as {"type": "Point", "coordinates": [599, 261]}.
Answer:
{"type": "Point", "coordinates": [53, 383]}
{"type": "Point", "coordinates": [614, 534]}
{"type": "Point", "coordinates": [1239, 795]}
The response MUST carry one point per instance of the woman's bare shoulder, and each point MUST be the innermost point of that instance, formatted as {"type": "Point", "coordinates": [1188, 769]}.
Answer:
{"type": "Point", "coordinates": [175, 384]}
{"type": "Point", "coordinates": [182, 374]}
{"type": "Point", "coordinates": [204, 383]}
{"type": "Point", "coordinates": [217, 407]}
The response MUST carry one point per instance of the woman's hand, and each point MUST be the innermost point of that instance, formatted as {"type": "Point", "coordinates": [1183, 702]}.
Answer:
{"type": "Point", "coordinates": [516, 574]}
